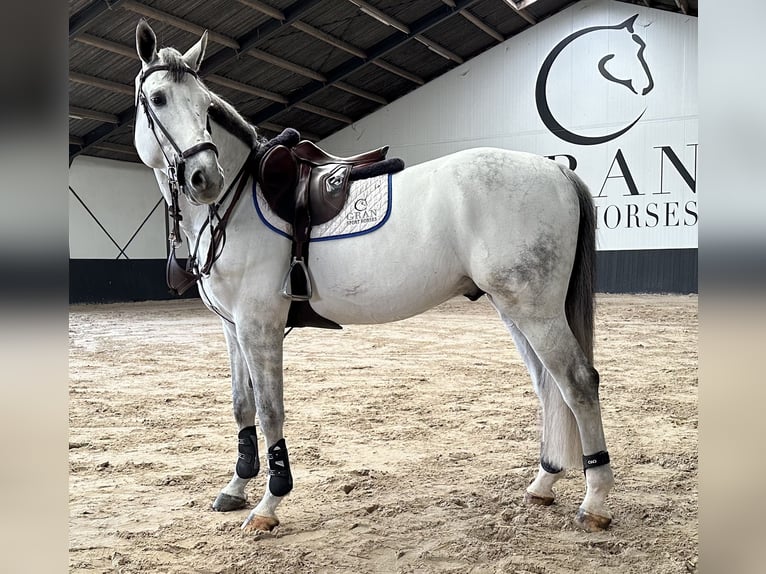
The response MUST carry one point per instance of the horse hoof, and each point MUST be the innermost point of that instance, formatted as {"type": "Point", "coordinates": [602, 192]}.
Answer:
{"type": "Point", "coordinates": [226, 503]}
{"type": "Point", "coordinates": [591, 522]}
{"type": "Point", "coordinates": [531, 498]}
{"type": "Point", "coordinates": [256, 524]}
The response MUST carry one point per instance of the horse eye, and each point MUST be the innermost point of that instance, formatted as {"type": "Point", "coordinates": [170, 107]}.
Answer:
{"type": "Point", "coordinates": [158, 99]}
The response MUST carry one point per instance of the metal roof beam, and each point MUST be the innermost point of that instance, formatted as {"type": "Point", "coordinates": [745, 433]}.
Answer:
{"type": "Point", "coordinates": [380, 16]}
{"type": "Point", "coordinates": [396, 70]}
{"type": "Point", "coordinates": [683, 5]}
{"type": "Point", "coordinates": [86, 114]}
{"type": "Point", "coordinates": [259, 35]}
{"type": "Point", "coordinates": [439, 49]}
{"type": "Point", "coordinates": [305, 28]}
{"type": "Point", "coordinates": [246, 89]}
{"type": "Point", "coordinates": [120, 148]}
{"type": "Point", "coordinates": [328, 39]}
{"type": "Point", "coordinates": [78, 22]}
{"type": "Point", "coordinates": [286, 65]}
{"type": "Point", "coordinates": [483, 26]}
{"type": "Point", "coordinates": [306, 107]}
{"type": "Point", "coordinates": [264, 8]}
{"type": "Point", "coordinates": [420, 26]}
{"type": "Point", "coordinates": [518, 7]}
{"type": "Point", "coordinates": [108, 45]}
{"type": "Point", "coordinates": [180, 23]}
{"type": "Point", "coordinates": [101, 83]}
{"type": "Point", "coordinates": [402, 27]}
{"type": "Point", "coordinates": [479, 23]}
{"type": "Point", "coordinates": [360, 92]}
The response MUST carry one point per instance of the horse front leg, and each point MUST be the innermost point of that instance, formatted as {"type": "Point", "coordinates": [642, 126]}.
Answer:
{"type": "Point", "coordinates": [261, 346]}
{"type": "Point", "coordinates": [233, 496]}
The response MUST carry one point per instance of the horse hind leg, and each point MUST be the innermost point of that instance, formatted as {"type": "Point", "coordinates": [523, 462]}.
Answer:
{"type": "Point", "coordinates": [577, 381]}
{"type": "Point", "coordinates": [560, 446]}
{"type": "Point", "coordinates": [567, 385]}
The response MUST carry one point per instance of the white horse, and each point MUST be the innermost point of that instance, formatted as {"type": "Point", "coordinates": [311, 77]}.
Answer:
{"type": "Point", "coordinates": [514, 226]}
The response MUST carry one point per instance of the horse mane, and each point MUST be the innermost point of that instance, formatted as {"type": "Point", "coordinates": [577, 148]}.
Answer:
{"type": "Point", "coordinates": [221, 112]}
{"type": "Point", "coordinates": [174, 60]}
{"type": "Point", "coordinates": [225, 115]}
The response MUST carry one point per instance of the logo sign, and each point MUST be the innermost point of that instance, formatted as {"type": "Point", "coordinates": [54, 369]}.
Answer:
{"type": "Point", "coordinates": [591, 93]}
{"type": "Point", "coordinates": [604, 65]}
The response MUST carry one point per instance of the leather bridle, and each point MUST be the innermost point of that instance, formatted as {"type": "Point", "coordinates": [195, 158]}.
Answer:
{"type": "Point", "coordinates": [180, 279]}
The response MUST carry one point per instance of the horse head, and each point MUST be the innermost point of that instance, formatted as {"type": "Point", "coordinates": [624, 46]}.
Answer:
{"type": "Point", "coordinates": [172, 132]}
{"type": "Point", "coordinates": [636, 63]}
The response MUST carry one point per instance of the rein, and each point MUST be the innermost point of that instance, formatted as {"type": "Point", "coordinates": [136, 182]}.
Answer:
{"type": "Point", "coordinates": [181, 279]}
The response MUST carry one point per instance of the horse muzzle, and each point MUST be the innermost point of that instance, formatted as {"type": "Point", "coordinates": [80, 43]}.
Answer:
{"type": "Point", "coordinates": [203, 177]}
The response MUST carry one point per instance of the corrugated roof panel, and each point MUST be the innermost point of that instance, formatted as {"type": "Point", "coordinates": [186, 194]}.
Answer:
{"type": "Point", "coordinates": [407, 12]}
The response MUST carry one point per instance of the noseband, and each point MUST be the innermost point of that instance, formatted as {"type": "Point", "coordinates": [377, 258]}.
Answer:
{"type": "Point", "coordinates": [177, 165]}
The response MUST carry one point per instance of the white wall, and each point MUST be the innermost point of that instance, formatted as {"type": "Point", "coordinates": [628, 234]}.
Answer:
{"type": "Point", "coordinates": [120, 195]}
{"type": "Point", "coordinates": [643, 201]}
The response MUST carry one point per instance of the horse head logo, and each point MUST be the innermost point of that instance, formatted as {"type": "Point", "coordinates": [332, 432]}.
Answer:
{"type": "Point", "coordinates": [604, 67]}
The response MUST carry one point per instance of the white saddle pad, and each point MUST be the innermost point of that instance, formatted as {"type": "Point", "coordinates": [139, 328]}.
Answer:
{"type": "Point", "coordinates": [367, 209]}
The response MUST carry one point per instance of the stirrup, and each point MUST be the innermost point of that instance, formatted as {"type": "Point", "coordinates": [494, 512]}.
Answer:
{"type": "Point", "coordinates": [287, 286]}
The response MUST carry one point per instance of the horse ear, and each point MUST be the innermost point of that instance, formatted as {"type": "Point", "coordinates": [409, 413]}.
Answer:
{"type": "Point", "coordinates": [146, 42]}
{"type": "Point", "coordinates": [193, 57]}
{"type": "Point", "coordinates": [628, 23]}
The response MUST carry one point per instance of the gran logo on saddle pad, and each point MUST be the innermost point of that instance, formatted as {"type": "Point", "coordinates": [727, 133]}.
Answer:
{"type": "Point", "coordinates": [367, 208]}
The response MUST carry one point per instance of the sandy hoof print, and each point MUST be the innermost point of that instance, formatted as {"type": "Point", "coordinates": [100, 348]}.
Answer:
{"type": "Point", "coordinates": [591, 522]}
{"type": "Point", "coordinates": [258, 524]}
{"type": "Point", "coordinates": [227, 503]}
{"type": "Point", "coordinates": [537, 500]}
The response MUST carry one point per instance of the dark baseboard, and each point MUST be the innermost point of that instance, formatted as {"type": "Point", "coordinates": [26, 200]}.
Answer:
{"type": "Point", "coordinates": [646, 271]}
{"type": "Point", "coordinates": [116, 280]}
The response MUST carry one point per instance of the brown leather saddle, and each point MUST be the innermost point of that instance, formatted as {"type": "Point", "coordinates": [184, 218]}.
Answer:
{"type": "Point", "coordinates": [306, 186]}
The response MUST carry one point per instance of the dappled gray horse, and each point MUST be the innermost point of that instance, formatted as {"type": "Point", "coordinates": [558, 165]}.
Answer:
{"type": "Point", "coordinates": [514, 226]}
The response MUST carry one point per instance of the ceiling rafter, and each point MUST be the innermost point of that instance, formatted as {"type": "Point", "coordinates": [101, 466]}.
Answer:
{"type": "Point", "coordinates": [80, 21]}
{"type": "Point", "coordinates": [250, 40]}
{"type": "Point", "coordinates": [396, 70]}
{"type": "Point", "coordinates": [379, 50]}
{"type": "Point", "coordinates": [101, 83]}
{"type": "Point", "coordinates": [180, 23]}
{"type": "Point", "coordinates": [683, 5]}
{"type": "Point", "coordinates": [476, 21]}
{"type": "Point", "coordinates": [519, 8]}
{"type": "Point", "coordinates": [286, 65]}
{"type": "Point", "coordinates": [384, 18]}
{"type": "Point", "coordinates": [108, 45]}
{"type": "Point", "coordinates": [245, 88]}
{"type": "Point", "coordinates": [483, 26]}
{"type": "Point", "coordinates": [361, 93]}
{"type": "Point", "coordinates": [78, 113]}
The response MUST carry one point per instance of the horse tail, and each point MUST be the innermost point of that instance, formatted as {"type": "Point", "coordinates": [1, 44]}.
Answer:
{"type": "Point", "coordinates": [579, 304]}
{"type": "Point", "coordinates": [562, 447]}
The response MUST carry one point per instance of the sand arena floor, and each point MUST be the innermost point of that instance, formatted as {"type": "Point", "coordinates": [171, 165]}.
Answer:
{"type": "Point", "coordinates": [411, 445]}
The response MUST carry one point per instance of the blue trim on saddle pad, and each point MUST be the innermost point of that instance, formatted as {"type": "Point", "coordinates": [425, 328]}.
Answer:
{"type": "Point", "coordinates": [332, 237]}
